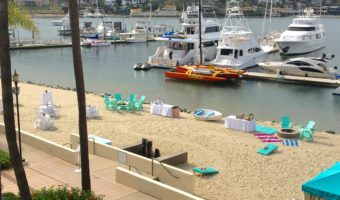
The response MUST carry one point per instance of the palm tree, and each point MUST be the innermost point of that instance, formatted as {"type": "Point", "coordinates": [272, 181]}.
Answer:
{"type": "Point", "coordinates": [79, 77]}
{"type": "Point", "coordinates": [19, 18]}
{"type": "Point", "coordinates": [5, 64]}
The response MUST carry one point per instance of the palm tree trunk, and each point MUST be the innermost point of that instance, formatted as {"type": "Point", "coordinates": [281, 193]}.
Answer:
{"type": "Point", "coordinates": [6, 82]}
{"type": "Point", "coordinates": [79, 76]}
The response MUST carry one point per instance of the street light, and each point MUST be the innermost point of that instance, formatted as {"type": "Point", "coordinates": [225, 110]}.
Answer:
{"type": "Point", "coordinates": [15, 79]}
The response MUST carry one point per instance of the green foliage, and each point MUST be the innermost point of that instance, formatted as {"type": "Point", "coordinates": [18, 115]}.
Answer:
{"type": "Point", "coordinates": [10, 196]}
{"type": "Point", "coordinates": [5, 160]}
{"type": "Point", "coordinates": [19, 18]}
{"type": "Point", "coordinates": [61, 192]}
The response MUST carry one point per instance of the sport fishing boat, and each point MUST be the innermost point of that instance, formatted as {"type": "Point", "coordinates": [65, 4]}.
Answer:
{"type": "Point", "coordinates": [305, 34]}
{"type": "Point", "coordinates": [182, 48]}
{"type": "Point", "coordinates": [237, 46]}
{"type": "Point", "coordinates": [307, 67]}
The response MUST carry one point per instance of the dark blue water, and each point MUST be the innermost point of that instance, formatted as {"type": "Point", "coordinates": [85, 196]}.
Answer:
{"type": "Point", "coordinates": [109, 69]}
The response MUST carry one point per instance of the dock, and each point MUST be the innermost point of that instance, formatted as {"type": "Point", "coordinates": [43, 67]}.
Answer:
{"type": "Point", "coordinates": [289, 78]}
{"type": "Point", "coordinates": [39, 46]}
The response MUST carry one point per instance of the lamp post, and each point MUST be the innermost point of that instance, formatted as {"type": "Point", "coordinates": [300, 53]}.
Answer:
{"type": "Point", "coordinates": [15, 79]}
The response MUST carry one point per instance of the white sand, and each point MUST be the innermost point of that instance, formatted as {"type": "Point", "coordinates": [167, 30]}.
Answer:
{"type": "Point", "coordinates": [244, 174]}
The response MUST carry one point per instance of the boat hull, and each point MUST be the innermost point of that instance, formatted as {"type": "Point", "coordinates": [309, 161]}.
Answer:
{"type": "Point", "coordinates": [300, 47]}
{"type": "Point", "coordinates": [194, 77]}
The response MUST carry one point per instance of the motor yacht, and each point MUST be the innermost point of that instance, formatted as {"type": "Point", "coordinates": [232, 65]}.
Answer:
{"type": "Point", "coordinates": [237, 46]}
{"type": "Point", "coordinates": [141, 32]}
{"type": "Point", "coordinates": [307, 67]}
{"type": "Point", "coordinates": [182, 48]}
{"type": "Point", "coordinates": [305, 34]}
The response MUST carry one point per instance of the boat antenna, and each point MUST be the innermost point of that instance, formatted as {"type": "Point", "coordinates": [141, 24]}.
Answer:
{"type": "Point", "coordinates": [200, 28]}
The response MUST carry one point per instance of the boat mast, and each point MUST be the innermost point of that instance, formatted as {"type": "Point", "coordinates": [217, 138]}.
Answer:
{"type": "Point", "coordinates": [200, 28]}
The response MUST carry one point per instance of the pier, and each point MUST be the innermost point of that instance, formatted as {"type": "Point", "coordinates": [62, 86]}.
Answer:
{"type": "Point", "coordinates": [289, 78]}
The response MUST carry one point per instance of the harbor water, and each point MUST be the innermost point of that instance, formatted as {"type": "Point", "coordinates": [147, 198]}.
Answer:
{"type": "Point", "coordinates": [110, 70]}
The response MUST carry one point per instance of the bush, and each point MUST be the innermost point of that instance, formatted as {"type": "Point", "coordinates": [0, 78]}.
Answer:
{"type": "Point", "coordinates": [57, 193]}
{"type": "Point", "coordinates": [10, 196]}
{"type": "Point", "coordinates": [5, 160]}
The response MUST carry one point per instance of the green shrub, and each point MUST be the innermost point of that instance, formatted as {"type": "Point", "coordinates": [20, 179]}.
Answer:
{"type": "Point", "coordinates": [5, 160]}
{"type": "Point", "coordinates": [58, 193]}
{"type": "Point", "coordinates": [63, 193]}
{"type": "Point", "coordinates": [10, 196]}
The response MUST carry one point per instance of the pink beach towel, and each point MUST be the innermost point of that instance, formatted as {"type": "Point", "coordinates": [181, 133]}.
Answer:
{"type": "Point", "coordinates": [268, 138]}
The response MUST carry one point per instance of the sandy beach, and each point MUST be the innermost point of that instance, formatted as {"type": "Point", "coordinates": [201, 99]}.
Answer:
{"type": "Point", "coordinates": [244, 174]}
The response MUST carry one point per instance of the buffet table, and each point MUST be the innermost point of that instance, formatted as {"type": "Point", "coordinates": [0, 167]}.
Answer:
{"type": "Point", "coordinates": [232, 122]}
{"type": "Point", "coordinates": [161, 109]}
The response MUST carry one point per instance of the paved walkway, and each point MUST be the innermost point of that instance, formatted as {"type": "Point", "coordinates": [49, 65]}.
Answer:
{"type": "Point", "coordinates": [44, 170]}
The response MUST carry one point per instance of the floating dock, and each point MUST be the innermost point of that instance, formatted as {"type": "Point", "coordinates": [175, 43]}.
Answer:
{"type": "Point", "coordinates": [289, 78]}
{"type": "Point", "coordinates": [40, 46]}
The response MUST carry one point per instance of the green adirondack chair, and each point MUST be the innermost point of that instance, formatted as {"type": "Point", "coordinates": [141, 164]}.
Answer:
{"type": "Point", "coordinates": [115, 106]}
{"type": "Point", "coordinates": [130, 107]}
{"type": "Point", "coordinates": [307, 131]}
{"type": "Point", "coordinates": [108, 103]}
{"type": "Point", "coordinates": [133, 97]}
{"type": "Point", "coordinates": [139, 104]}
{"type": "Point", "coordinates": [285, 122]}
{"type": "Point", "coordinates": [118, 97]}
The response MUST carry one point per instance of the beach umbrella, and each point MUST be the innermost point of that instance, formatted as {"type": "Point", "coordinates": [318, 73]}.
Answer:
{"type": "Point", "coordinates": [325, 185]}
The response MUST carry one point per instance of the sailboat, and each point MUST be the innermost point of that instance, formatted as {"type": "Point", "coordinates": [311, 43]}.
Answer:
{"type": "Point", "coordinates": [237, 46]}
{"type": "Point", "coordinates": [61, 21]}
{"type": "Point", "coordinates": [267, 42]}
{"type": "Point", "coordinates": [94, 14]}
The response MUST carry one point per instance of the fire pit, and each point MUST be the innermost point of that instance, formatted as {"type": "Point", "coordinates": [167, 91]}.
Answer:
{"type": "Point", "coordinates": [288, 133]}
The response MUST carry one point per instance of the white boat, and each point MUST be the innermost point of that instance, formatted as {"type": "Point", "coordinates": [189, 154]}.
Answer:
{"type": "Point", "coordinates": [92, 14]}
{"type": "Point", "coordinates": [61, 21]}
{"type": "Point", "coordinates": [65, 29]}
{"type": "Point", "coordinates": [307, 67]}
{"type": "Point", "coordinates": [305, 34]}
{"type": "Point", "coordinates": [182, 48]}
{"type": "Point", "coordinates": [207, 114]}
{"type": "Point", "coordinates": [140, 33]}
{"type": "Point", "coordinates": [237, 46]}
{"type": "Point", "coordinates": [100, 43]}
{"type": "Point", "coordinates": [336, 91]}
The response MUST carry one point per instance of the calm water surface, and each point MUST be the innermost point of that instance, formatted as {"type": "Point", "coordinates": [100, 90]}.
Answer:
{"type": "Point", "coordinates": [109, 69]}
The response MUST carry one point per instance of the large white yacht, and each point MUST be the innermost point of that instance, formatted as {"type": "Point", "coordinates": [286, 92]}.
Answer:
{"type": "Point", "coordinates": [182, 48]}
{"type": "Point", "coordinates": [304, 35]}
{"type": "Point", "coordinates": [307, 67]}
{"type": "Point", "coordinates": [237, 46]}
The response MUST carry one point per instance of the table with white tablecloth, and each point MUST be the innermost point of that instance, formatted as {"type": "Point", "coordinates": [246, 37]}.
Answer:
{"type": "Point", "coordinates": [232, 122]}
{"type": "Point", "coordinates": [46, 98]}
{"type": "Point", "coordinates": [161, 109]}
{"type": "Point", "coordinates": [49, 110]}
